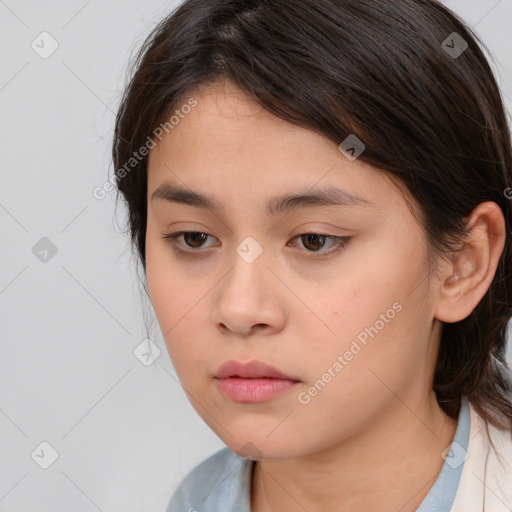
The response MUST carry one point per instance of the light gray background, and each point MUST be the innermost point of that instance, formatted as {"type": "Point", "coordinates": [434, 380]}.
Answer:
{"type": "Point", "coordinates": [124, 432]}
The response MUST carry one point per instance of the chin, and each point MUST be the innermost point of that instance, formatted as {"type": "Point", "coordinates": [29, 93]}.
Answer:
{"type": "Point", "coordinates": [257, 448]}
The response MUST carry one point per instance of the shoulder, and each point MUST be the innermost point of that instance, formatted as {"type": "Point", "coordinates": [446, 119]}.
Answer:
{"type": "Point", "coordinates": [224, 477]}
{"type": "Point", "coordinates": [486, 480]}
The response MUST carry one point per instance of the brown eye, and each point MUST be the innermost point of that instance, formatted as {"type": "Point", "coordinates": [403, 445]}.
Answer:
{"type": "Point", "coordinates": [313, 241]}
{"type": "Point", "coordinates": [316, 242]}
{"type": "Point", "coordinates": [194, 239]}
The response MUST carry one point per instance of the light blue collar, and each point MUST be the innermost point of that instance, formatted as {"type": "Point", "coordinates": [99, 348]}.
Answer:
{"type": "Point", "coordinates": [442, 494]}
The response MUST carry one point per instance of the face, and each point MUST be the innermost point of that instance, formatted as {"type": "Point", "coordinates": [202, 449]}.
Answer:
{"type": "Point", "coordinates": [333, 296]}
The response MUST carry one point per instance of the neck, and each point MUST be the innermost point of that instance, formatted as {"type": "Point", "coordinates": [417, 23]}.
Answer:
{"type": "Point", "coordinates": [390, 465]}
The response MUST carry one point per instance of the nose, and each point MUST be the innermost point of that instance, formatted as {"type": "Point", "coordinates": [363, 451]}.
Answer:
{"type": "Point", "coordinates": [249, 299]}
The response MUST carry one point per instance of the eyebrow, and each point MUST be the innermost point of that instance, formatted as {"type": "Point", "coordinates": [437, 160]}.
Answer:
{"type": "Point", "coordinates": [329, 196]}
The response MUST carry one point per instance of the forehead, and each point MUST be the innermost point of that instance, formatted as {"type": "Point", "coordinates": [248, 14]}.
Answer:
{"type": "Point", "coordinates": [229, 142]}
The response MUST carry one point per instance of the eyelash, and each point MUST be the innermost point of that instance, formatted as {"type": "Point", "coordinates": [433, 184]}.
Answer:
{"type": "Point", "coordinates": [341, 242]}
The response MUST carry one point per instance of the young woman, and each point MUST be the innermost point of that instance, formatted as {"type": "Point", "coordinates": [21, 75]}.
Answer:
{"type": "Point", "coordinates": [319, 193]}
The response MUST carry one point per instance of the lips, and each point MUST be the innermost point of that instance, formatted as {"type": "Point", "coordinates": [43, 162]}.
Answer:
{"type": "Point", "coordinates": [253, 382]}
{"type": "Point", "coordinates": [251, 370]}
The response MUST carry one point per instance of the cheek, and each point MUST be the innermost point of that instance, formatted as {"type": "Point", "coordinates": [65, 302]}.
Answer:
{"type": "Point", "coordinates": [172, 301]}
{"type": "Point", "coordinates": [353, 378]}
{"type": "Point", "coordinates": [171, 293]}
{"type": "Point", "coordinates": [376, 325]}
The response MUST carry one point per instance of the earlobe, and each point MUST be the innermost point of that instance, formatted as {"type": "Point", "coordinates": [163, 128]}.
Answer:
{"type": "Point", "coordinates": [471, 270]}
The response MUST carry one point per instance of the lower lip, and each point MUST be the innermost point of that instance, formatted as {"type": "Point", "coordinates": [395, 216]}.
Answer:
{"type": "Point", "coordinates": [251, 391]}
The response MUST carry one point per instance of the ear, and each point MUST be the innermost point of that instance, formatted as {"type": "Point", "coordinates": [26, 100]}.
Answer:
{"type": "Point", "coordinates": [469, 274]}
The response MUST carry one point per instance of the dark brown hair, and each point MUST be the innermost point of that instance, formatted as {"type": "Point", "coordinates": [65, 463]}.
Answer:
{"type": "Point", "coordinates": [392, 72]}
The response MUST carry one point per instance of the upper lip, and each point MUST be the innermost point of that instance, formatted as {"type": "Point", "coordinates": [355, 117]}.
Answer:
{"type": "Point", "coordinates": [250, 370]}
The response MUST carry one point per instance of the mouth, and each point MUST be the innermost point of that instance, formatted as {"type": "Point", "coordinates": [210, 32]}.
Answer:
{"type": "Point", "coordinates": [252, 382]}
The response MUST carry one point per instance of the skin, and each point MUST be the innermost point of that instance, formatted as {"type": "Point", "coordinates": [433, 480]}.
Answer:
{"type": "Point", "coordinates": [378, 419]}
